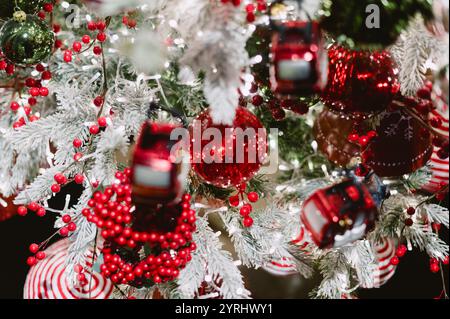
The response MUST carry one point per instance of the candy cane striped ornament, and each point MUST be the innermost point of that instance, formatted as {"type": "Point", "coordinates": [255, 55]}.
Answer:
{"type": "Point", "coordinates": [439, 167]}
{"type": "Point", "coordinates": [286, 266]}
{"type": "Point", "coordinates": [383, 251]}
{"type": "Point", "coordinates": [47, 279]}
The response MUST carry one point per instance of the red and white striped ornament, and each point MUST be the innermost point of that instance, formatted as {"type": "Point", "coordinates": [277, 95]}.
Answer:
{"type": "Point", "coordinates": [286, 266]}
{"type": "Point", "coordinates": [47, 279]}
{"type": "Point", "coordinates": [439, 167]}
{"type": "Point", "coordinates": [383, 251]}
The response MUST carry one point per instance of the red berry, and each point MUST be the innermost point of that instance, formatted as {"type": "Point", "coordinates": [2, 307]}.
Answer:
{"type": "Point", "coordinates": [66, 218]}
{"type": "Point", "coordinates": [34, 91]}
{"type": "Point", "coordinates": [41, 212]}
{"type": "Point", "coordinates": [409, 222]}
{"type": "Point", "coordinates": [98, 101]}
{"type": "Point", "coordinates": [46, 75]}
{"type": "Point", "coordinates": [363, 141]}
{"type": "Point", "coordinates": [33, 206]}
{"type": "Point", "coordinates": [55, 188]}
{"type": "Point", "coordinates": [22, 211]}
{"type": "Point", "coordinates": [446, 260]}
{"type": "Point", "coordinates": [76, 46]}
{"type": "Point", "coordinates": [248, 221]}
{"type": "Point", "coordinates": [353, 138]}
{"type": "Point", "coordinates": [101, 25]}
{"type": "Point", "coordinates": [86, 39]}
{"type": "Point", "coordinates": [101, 37]}
{"type": "Point", "coordinates": [64, 231]}
{"type": "Point", "coordinates": [43, 91]}
{"type": "Point", "coordinates": [244, 211]}
{"type": "Point", "coordinates": [91, 25]}
{"type": "Point", "coordinates": [257, 100]}
{"type": "Point", "coordinates": [77, 143]}
{"type": "Point", "coordinates": [278, 114]}
{"type": "Point", "coordinates": [14, 106]}
{"type": "Point", "coordinates": [48, 7]}
{"type": "Point", "coordinates": [34, 248]}
{"type": "Point", "coordinates": [94, 129]}
{"type": "Point", "coordinates": [60, 178]}
{"type": "Point", "coordinates": [234, 200]}
{"type": "Point", "coordinates": [31, 261]}
{"type": "Point", "coordinates": [72, 226]}
{"type": "Point", "coordinates": [401, 251]}
{"type": "Point", "coordinates": [102, 122]}
{"type": "Point", "coordinates": [40, 255]}
{"type": "Point", "coordinates": [79, 179]}
{"type": "Point", "coordinates": [434, 268]}
{"type": "Point", "coordinates": [411, 211]}
{"type": "Point", "coordinates": [253, 197]}
{"type": "Point", "coordinates": [131, 23]}
{"type": "Point", "coordinates": [97, 50]}
{"type": "Point", "coordinates": [395, 261]}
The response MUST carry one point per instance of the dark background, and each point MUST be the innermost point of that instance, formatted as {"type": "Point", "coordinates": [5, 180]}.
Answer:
{"type": "Point", "coordinates": [413, 278]}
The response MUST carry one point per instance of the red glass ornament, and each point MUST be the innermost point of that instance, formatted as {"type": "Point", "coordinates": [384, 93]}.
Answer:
{"type": "Point", "coordinates": [157, 176]}
{"type": "Point", "coordinates": [7, 208]}
{"type": "Point", "coordinates": [298, 59]}
{"type": "Point", "coordinates": [210, 158]}
{"type": "Point", "coordinates": [360, 81]}
{"type": "Point", "coordinates": [398, 148]}
{"type": "Point", "coordinates": [339, 214]}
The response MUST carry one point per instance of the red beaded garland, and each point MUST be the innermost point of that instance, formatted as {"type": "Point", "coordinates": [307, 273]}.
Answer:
{"type": "Point", "coordinates": [166, 231]}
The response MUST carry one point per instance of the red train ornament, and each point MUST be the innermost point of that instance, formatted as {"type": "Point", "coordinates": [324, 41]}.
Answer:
{"type": "Point", "coordinates": [299, 61]}
{"type": "Point", "coordinates": [340, 214]}
{"type": "Point", "coordinates": [158, 176]}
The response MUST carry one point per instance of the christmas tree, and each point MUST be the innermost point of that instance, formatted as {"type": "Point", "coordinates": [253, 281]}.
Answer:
{"type": "Point", "coordinates": [208, 136]}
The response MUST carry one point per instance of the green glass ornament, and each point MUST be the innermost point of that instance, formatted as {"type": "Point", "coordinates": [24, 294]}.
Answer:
{"type": "Point", "coordinates": [26, 40]}
{"type": "Point", "coordinates": [8, 7]}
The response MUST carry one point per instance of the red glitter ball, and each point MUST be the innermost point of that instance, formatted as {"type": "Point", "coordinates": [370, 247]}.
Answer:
{"type": "Point", "coordinates": [360, 81]}
{"type": "Point", "coordinates": [213, 163]}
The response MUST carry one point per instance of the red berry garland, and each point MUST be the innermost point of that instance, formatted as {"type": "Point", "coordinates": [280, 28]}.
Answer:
{"type": "Point", "coordinates": [165, 233]}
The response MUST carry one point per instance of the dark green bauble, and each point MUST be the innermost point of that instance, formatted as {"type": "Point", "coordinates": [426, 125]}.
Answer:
{"type": "Point", "coordinates": [7, 7]}
{"type": "Point", "coordinates": [28, 42]}
{"type": "Point", "coordinates": [346, 20]}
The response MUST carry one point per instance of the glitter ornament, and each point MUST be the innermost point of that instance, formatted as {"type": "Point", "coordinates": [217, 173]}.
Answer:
{"type": "Point", "coordinates": [8, 7]}
{"type": "Point", "coordinates": [228, 158]}
{"type": "Point", "coordinates": [331, 131]}
{"type": "Point", "coordinates": [360, 81]}
{"type": "Point", "coordinates": [26, 42]}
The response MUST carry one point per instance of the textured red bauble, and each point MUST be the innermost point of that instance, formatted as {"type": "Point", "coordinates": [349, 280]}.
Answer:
{"type": "Point", "coordinates": [399, 147]}
{"type": "Point", "coordinates": [246, 154]}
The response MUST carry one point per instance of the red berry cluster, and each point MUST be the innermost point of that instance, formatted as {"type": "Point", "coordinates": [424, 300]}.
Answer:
{"type": "Point", "coordinates": [252, 8]}
{"type": "Point", "coordinates": [129, 22]}
{"type": "Point", "coordinates": [111, 211]}
{"type": "Point", "coordinates": [77, 46]}
{"type": "Point", "coordinates": [400, 252]}
{"type": "Point", "coordinates": [246, 208]}
{"type": "Point", "coordinates": [434, 264]}
{"type": "Point", "coordinates": [38, 255]}
{"type": "Point", "coordinates": [47, 8]}
{"type": "Point", "coordinates": [276, 106]}
{"type": "Point", "coordinates": [36, 89]}
{"type": "Point", "coordinates": [5, 66]}
{"type": "Point", "coordinates": [81, 275]}
{"type": "Point", "coordinates": [34, 207]}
